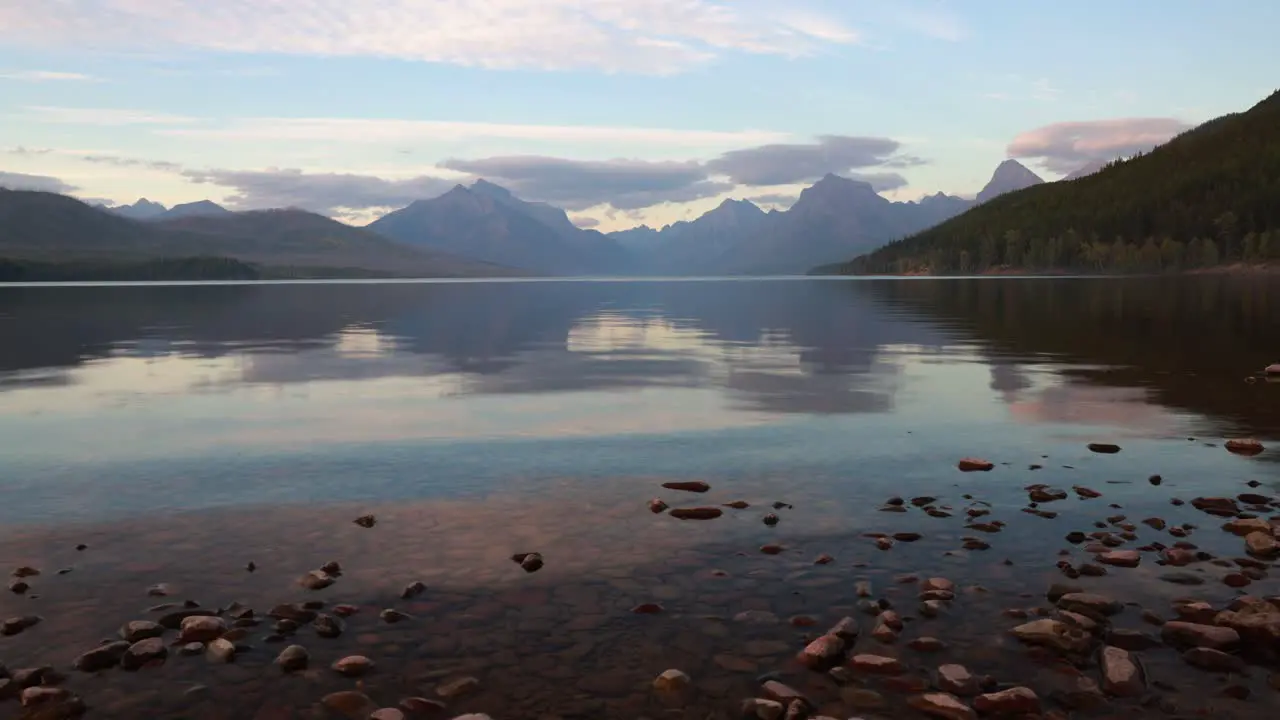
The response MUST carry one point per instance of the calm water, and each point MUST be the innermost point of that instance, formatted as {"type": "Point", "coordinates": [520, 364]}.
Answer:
{"type": "Point", "coordinates": [183, 431]}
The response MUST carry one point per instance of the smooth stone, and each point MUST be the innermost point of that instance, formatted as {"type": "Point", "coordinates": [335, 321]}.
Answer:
{"type": "Point", "coordinates": [220, 651]}
{"type": "Point", "coordinates": [1014, 701]}
{"type": "Point", "coordinates": [823, 653]}
{"type": "Point", "coordinates": [202, 628]}
{"type": "Point", "coordinates": [1131, 640]}
{"type": "Point", "coordinates": [1089, 604]}
{"type": "Point", "coordinates": [696, 486]}
{"type": "Point", "coordinates": [970, 464]}
{"type": "Point", "coordinates": [293, 658]}
{"type": "Point", "coordinates": [327, 626]}
{"type": "Point", "coordinates": [1121, 676]}
{"type": "Point", "coordinates": [762, 709]}
{"type": "Point", "coordinates": [783, 693]}
{"type": "Point", "coordinates": [421, 707]}
{"type": "Point", "coordinates": [656, 505]}
{"type": "Point", "coordinates": [862, 698]}
{"type": "Point", "coordinates": [672, 681]}
{"type": "Point", "coordinates": [1121, 558]}
{"type": "Point", "coordinates": [1054, 634]}
{"type": "Point", "coordinates": [316, 580]}
{"type": "Point", "coordinates": [876, 664]}
{"type": "Point", "coordinates": [350, 704]}
{"type": "Point", "coordinates": [100, 658]}
{"type": "Point", "coordinates": [458, 688]}
{"type": "Point", "coordinates": [957, 680]}
{"type": "Point", "coordinates": [1104, 448]}
{"type": "Point", "coordinates": [353, 665]}
{"type": "Point", "coordinates": [1188, 635]}
{"type": "Point", "coordinates": [412, 590]}
{"type": "Point", "coordinates": [143, 652]}
{"type": "Point", "coordinates": [942, 705]}
{"type": "Point", "coordinates": [1213, 660]}
{"type": "Point", "coordinates": [697, 513]}
{"type": "Point", "coordinates": [387, 714]}
{"type": "Point", "coordinates": [392, 616]}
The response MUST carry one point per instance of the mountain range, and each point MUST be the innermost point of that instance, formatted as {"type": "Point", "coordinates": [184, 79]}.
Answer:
{"type": "Point", "coordinates": [485, 229]}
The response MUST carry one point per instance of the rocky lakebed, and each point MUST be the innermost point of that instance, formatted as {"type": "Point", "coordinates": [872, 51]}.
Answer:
{"type": "Point", "coordinates": [1051, 588]}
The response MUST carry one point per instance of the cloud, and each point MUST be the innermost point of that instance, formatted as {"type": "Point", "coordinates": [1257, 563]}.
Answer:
{"type": "Point", "coordinates": [651, 37]}
{"type": "Point", "coordinates": [43, 183]}
{"type": "Point", "coordinates": [1067, 146]}
{"type": "Point", "coordinates": [783, 164]}
{"type": "Point", "coordinates": [779, 200]}
{"type": "Point", "coordinates": [586, 223]}
{"type": "Point", "coordinates": [100, 116]}
{"type": "Point", "coordinates": [162, 165]}
{"type": "Point", "coordinates": [373, 130]}
{"type": "Point", "coordinates": [580, 184]}
{"type": "Point", "coordinates": [23, 151]}
{"type": "Point", "coordinates": [880, 182]}
{"type": "Point", "coordinates": [45, 76]}
{"type": "Point", "coordinates": [327, 193]}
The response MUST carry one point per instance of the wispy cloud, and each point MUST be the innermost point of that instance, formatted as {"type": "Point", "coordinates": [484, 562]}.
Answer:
{"type": "Point", "coordinates": [45, 75]}
{"type": "Point", "coordinates": [932, 19]}
{"type": "Point", "coordinates": [651, 37]}
{"type": "Point", "coordinates": [373, 130]}
{"type": "Point", "coordinates": [100, 116]}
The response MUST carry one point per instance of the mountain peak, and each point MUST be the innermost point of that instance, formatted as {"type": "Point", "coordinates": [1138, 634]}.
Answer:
{"type": "Point", "coordinates": [1009, 176]}
{"type": "Point", "coordinates": [493, 190]}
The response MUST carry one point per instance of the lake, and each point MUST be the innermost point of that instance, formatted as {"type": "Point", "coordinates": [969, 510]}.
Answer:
{"type": "Point", "coordinates": [180, 433]}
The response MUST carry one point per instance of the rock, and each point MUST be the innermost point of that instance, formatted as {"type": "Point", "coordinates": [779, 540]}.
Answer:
{"type": "Point", "coordinates": [672, 682]}
{"type": "Point", "coordinates": [696, 486]}
{"type": "Point", "coordinates": [647, 609]}
{"type": "Point", "coordinates": [1121, 558]}
{"type": "Point", "coordinates": [1262, 544]}
{"type": "Point", "coordinates": [421, 707]}
{"type": "Point", "coordinates": [783, 693]}
{"type": "Point", "coordinates": [392, 616]}
{"type": "Point", "coordinates": [345, 611]}
{"type": "Point", "coordinates": [293, 658]}
{"type": "Point", "coordinates": [761, 709]}
{"type": "Point", "coordinates": [876, 665]}
{"type": "Point", "coordinates": [1182, 578]}
{"type": "Point", "coordinates": [884, 633]}
{"type": "Point", "coordinates": [1104, 448]}
{"type": "Point", "coordinates": [458, 688]}
{"type": "Point", "coordinates": [202, 628]}
{"type": "Point", "coordinates": [140, 630]}
{"type": "Point", "coordinates": [1131, 640]}
{"type": "Point", "coordinates": [1177, 557]}
{"type": "Point", "coordinates": [101, 657]}
{"type": "Point", "coordinates": [1254, 499]}
{"type": "Point", "coordinates": [350, 704]}
{"type": "Point", "coordinates": [143, 652]}
{"type": "Point", "coordinates": [1058, 590]}
{"type": "Point", "coordinates": [1245, 526]}
{"type": "Point", "coordinates": [366, 521]}
{"type": "Point", "coordinates": [412, 590]}
{"type": "Point", "coordinates": [932, 608]}
{"type": "Point", "coordinates": [327, 626]}
{"type": "Point", "coordinates": [18, 587]}
{"type": "Point", "coordinates": [656, 505]}
{"type": "Point", "coordinates": [1212, 660]}
{"type": "Point", "coordinates": [1222, 506]}
{"type": "Point", "coordinates": [823, 559]}
{"type": "Point", "coordinates": [823, 653]}
{"type": "Point", "coordinates": [697, 513]}
{"type": "Point", "coordinates": [1188, 635]}
{"type": "Point", "coordinates": [529, 562]}
{"type": "Point", "coordinates": [1244, 446]}
{"type": "Point", "coordinates": [353, 666]}
{"type": "Point", "coordinates": [387, 714]}
{"type": "Point", "coordinates": [771, 519]}
{"type": "Point", "coordinates": [1257, 622]}
{"type": "Point", "coordinates": [191, 649]}
{"type": "Point", "coordinates": [333, 567]}
{"type": "Point", "coordinates": [771, 549]}
{"type": "Point", "coordinates": [1054, 634]}
{"type": "Point", "coordinates": [942, 705]}
{"type": "Point", "coordinates": [738, 504]}
{"type": "Point", "coordinates": [1046, 494]}
{"type": "Point", "coordinates": [957, 680]}
{"type": "Point", "coordinates": [174, 620]}
{"type": "Point", "coordinates": [15, 625]}
{"type": "Point", "coordinates": [316, 580]}
{"type": "Point", "coordinates": [1014, 701]}
{"type": "Point", "coordinates": [937, 584]}
{"type": "Point", "coordinates": [1121, 676]}
{"type": "Point", "coordinates": [927, 645]}
{"type": "Point", "coordinates": [1085, 493]}
{"type": "Point", "coordinates": [907, 536]}
{"type": "Point", "coordinates": [40, 696]}
{"type": "Point", "coordinates": [974, 465]}
{"type": "Point", "coordinates": [220, 651]}
{"type": "Point", "coordinates": [24, 571]}
{"type": "Point", "coordinates": [1236, 580]}
{"type": "Point", "coordinates": [846, 629]}
{"type": "Point", "coordinates": [1089, 604]}
{"type": "Point", "coordinates": [1084, 622]}
{"type": "Point", "coordinates": [1200, 613]}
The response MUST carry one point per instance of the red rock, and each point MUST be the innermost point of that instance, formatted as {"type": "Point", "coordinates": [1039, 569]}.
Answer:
{"type": "Point", "coordinates": [349, 703]}
{"type": "Point", "coordinates": [1244, 527]}
{"type": "Point", "coordinates": [1014, 701]}
{"type": "Point", "coordinates": [1177, 557]}
{"type": "Point", "coordinates": [1121, 676]}
{"type": "Point", "coordinates": [974, 465]}
{"type": "Point", "coordinates": [696, 486]}
{"type": "Point", "coordinates": [823, 653]}
{"type": "Point", "coordinates": [1121, 558]}
{"type": "Point", "coordinates": [1212, 660]}
{"type": "Point", "coordinates": [1216, 505]}
{"type": "Point", "coordinates": [847, 629]}
{"type": "Point", "coordinates": [353, 666]}
{"type": "Point", "coordinates": [1262, 544]}
{"type": "Point", "coordinates": [957, 679]}
{"type": "Point", "coordinates": [876, 665]}
{"type": "Point", "coordinates": [783, 693]}
{"type": "Point", "coordinates": [942, 705]}
{"type": "Point", "coordinates": [738, 505]}
{"type": "Point", "coordinates": [1236, 580]}
{"type": "Point", "coordinates": [927, 644]}
{"type": "Point", "coordinates": [771, 549]}
{"type": "Point", "coordinates": [647, 609]}
{"type": "Point", "coordinates": [884, 543]}
{"type": "Point", "coordinates": [1244, 446]}
{"type": "Point", "coordinates": [202, 628]}
{"type": "Point", "coordinates": [1188, 635]}
{"type": "Point", "coordinates": [656, 506]}
{"type": "Point", "coordinates": [1086, 493]}
{"type": "Point", "coordinates": [697, 513]}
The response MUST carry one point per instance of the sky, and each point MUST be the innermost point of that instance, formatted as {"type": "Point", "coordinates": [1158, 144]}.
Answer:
{"type": "Point", "coordinates": [621, 111]}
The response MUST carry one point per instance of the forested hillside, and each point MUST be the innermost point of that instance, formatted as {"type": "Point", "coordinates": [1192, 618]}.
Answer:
{"type": "Point", "coordinates": [1210, 196]}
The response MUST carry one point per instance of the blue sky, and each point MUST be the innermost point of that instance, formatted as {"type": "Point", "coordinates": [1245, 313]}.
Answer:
{"type": "Point", "coordinates": [623, 111]}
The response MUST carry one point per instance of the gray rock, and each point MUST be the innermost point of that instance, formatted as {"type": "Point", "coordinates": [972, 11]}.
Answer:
{"type": "Point", "coordinates": [102, 657]}
{"type": "Point", "coordinates": [140, 630]}
{"type": "Point", "coordinates": [143, 652]}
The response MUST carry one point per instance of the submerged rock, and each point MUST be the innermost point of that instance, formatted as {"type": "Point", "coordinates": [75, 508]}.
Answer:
{"type": "Point", "coordinates": [350, 704]}
{"type": "Point", "coordinates": [1244, 446]}
{"type": "Point", "coordinates": [529, 562]}
{"type": "Point", "coordinates": [1188, 635]}
{"type": "Point", "coordinates": [1104, 448]}
{"type": "Point", "coordinates": [697, 513]}
{"type": "Point", "coordinates": [293, 658]}
{"type": "Point", "coordinates": [458, 688]}
{"type": "Point", "coordinates": [316, 580]}
{"type": "Point", "coordinates": [353, 666]}
{"type": "Point", "coordinates": [1014, 701]}
{"type": "Point", "coordinates": [696, 486]}
{"type": "Point", "coordinates": [672, 681]}
{"type": "Point", "coordinates": [656, 505]}
{"type": "Point", "coordinates": [942, 705]}
{"type": "Point", "coordinates": [1054, 634]}
{"type": "Point", "coordinates": [101, 657]}
{"type": "Point", "coordinates": [1121, 676]}
{"type": "Point", "coordinates": [366, 521]}
{"type": "Point", "coordinates": [823, 653]}
{"type": "Point", "coordinates": [202, 628]}
{"type": "Point", "coordinates": [143, 652]}
{"type": "Point", "coordinates": [970, 464]}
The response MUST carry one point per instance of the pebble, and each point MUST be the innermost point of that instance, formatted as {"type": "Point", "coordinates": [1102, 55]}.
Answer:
{"type": "Point", "coordinates": [1244, 446]}
{"type": "Point", "coordinates": [220, 651]}
{"type": "Point", "coordinates": [458, 688]}
{"type": "Point", "coordinates": [101, 657]}
{"type": "Point", "coordinates": [1014, 701]}
{"type": "Point", "coordinates": [1104, 448]}
{"type": "Point", "coordinates": [771, 549]}
{"type": "Point", "coordinates": [353, 665]}
{"type": "Point", "coordinates": [387, 714]}
{"type": "Point", "coordinates": [876, 665]}
{"type": "Point", "coordinates": [529, 562]}
{"type": "Point", "coordinates": [1121, 558]}
{"type": "Point", "coordinates": [143, 652]}
{"type": "Point", "coordinates": [1212, 660]}
{"type": "Point", "coordinates": [696, 486]}
{"type": "Point", "coordinates": [672, 681]}
{"type": "Point", "coordinates": [412, 590]}
{"type": "Point", "coordinates": [366, 521]}
{"type": "Point", "coordinates": [316, 580]}
{"type": "Point", "coordinates": [656, 505]}
{"type": "Point", "coordinates": [957, 680]}
{"type": "Point", "coordinates": [738, 504]}
{"type": "Point", "coordinates": [201, 628]}
{"type": "Point", "coordinates": [350, 704]}
{"type": "Point", "coordinates": [1121, 676]}
{"type": "Point", "coordinates": [697, 513]}
{"type": "Point", "coordinates": [771, 519]}
{"type": "Point", "coordinates": [974, 465]}
{"type": "Point", "coordinates": [293, 658]}
{"type": "Point", "coordinates": [1187, 635]}
{"type": "Point", "coordinates": [823, 653]}
{"type": "Point", "coordinates": [942, 705]}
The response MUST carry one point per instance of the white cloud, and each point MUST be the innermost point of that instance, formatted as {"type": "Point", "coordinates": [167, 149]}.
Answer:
{"type": "Point", "coordinates": [43, 183]}
{"type": "Point", "coordinates": [100, 116]}
{"type": "Point", "coordinates": [649, 36]}
{"type": "Point", "coordinates": [340, 194]}
{"type": "Point", "coordinates": [374, 130]}
{"type": "Point", "coordinates": [45, 76]}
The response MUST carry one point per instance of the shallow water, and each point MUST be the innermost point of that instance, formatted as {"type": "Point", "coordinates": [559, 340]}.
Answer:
{"type": "Point", "coordinates": [182, 432]}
